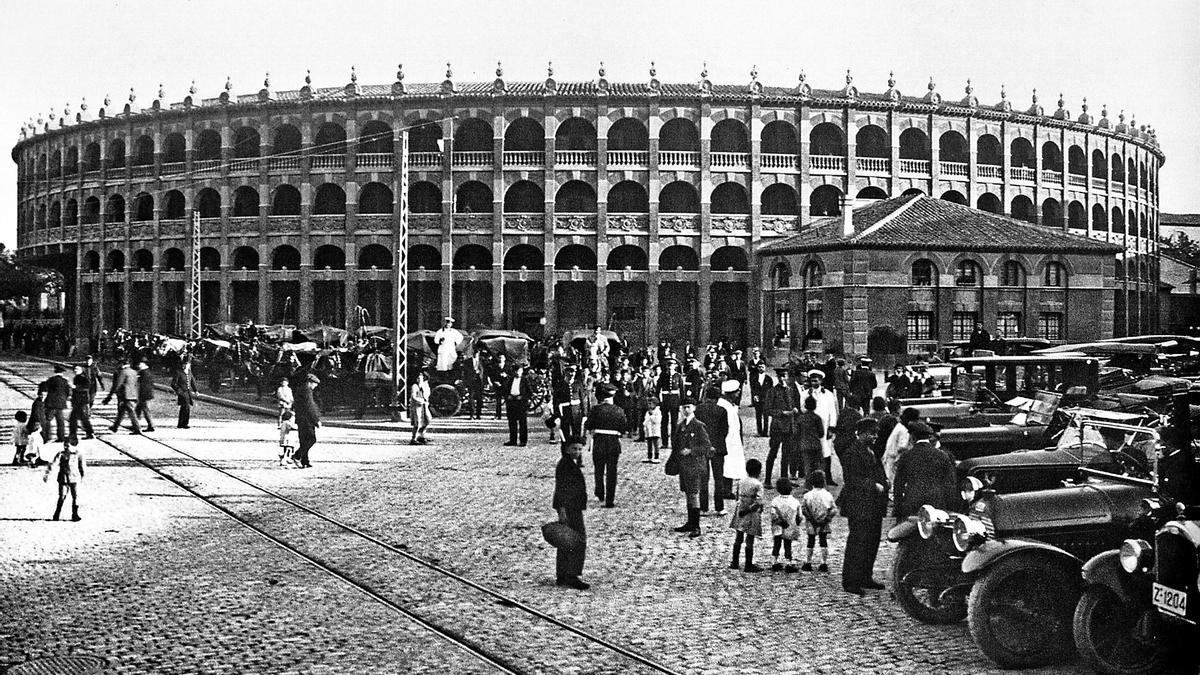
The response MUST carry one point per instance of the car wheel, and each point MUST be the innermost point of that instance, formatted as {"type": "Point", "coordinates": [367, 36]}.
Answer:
{"type": "Point", "coordinates": [1108, 635]}
{"type": "Point", "coordinates": [1020, 610]}
{"type": "Point", "coordinates": [921, 571]}
{"type": "Point", "coordinates": [444, 401]}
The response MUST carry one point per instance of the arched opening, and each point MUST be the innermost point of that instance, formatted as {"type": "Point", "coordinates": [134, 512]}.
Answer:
{"type": "Point", "coordinates": [967, 273]}
{"type": "Point", "coordinates": [246, 142]}
{"type": "Point", "coordinates": [628, 256]}
{"type": "Point", "coordinates": [245, 201]}
{"type": "Point", "coordinates": [914, 144]}
{"type": "Point", "coordinates": [91, 157]}
{"type": "Point", "coordinates": [91, 261]}
{"type": "Point", "coordinates": [330, 139]}
{"type": "Point", "coordinates": [827, 139]}
{"type": "Point", "coordinates": [375, 137]}
{"type": "Point", "coordinates": [730, 136]}
{"type": "Point", "coordinates": [679, 258]}
{"type": "Point", "coordinates": [424, 135]}
{"type": "Point", "coordinates": [628, 197]}
{"type": "Point", "coordinates": [143, 151]}
{"type": "Point", "coordinates": [207, 146]}
{"type": "Point", "coordinates": [143, 207]}
{"type": "Point", "coordinates": [872, 141]}
{"type": "Point", "coordinates": [1099, 219]}
{"type": "Point", "coordinates": [1076, 216]}
{"type": "Point", "coordinates": [524, 135]}
{"type": "Point", "coordinates": [574, 256]}
{"type": "Point", "coordinates": [329, 257]}
{"type": "Point", "coordinates": [628, 133]}
{"type": "Point", "coordinates": [730, 258]}
{"type": "Point", "coordinates": [871, 192]}
{"type": "Point", "coordinates": [781, 275]}
{"type": "Point", "coordinates": [286, 201]}
{"type": "Point", "coordinates": [1142, 174]}
{"type": "Point", "coordinates": [912, 192]}
{"type": "Point", "coordinates": [780, 200]}
{"type": "Point", "coordinates": [71, 165]}
{"type": "Point", "coordinates": [116, 155]}
{"type": "Point", "coordinates": [473, 135]}
{"type": "Point", "coordinates": [813, 275]}
{"type": "Point", "coordinates": [1118, 221]}
{"type": "Point", "coordinates": [210, 258]}
{"type": "Point", "coordinates": [174, 205]}
{"type": "Point", "coordinates": [1020, 154]}
{"type": "Point", "coordinates": [679, 134]}
{"type": "Point", "coordinates": [1052, 215]}
{"type": "Point", "coordinates": [1052, 159]}
{"type": "Point", "coordinates": [91, 210]}
{"type": "Point", "coordinates": [1118, 169]}
{"type": "Point", "coordinates": [143, 260]}
{"type": "Point", "coordinates": [285, 139]}
{"type": "Point", "coordinates": [826, 200]}
{"type": "Point", "coordinates": [424, 197]}
{"type": "Point", "coordinates": [245, 258]}
{"type": "Point", "coordinates": [779, 138]}
{"type": "Point", "coordinates": [115, 211]}
{"type": "Point", "coordinates": [330, 199]}
{"type": "Point", "coordinates": [70, 216]}
{"type": "Point", "coordinates": [1131, 173]}
{"type": "Point", "coordinates": [116, 261]}
{"type": "Point", "coordinates": [524, 197]}
{"type": "Point", "coordinates": [575, 133]}
{"type": "Point", "coordinates": [285, 257]}
{"type": "Point", "coordinates": [173, 260]}
{"type": "Point", "coordinates": [374, 256]}
{"type": "Point", "coordinates": [1022, 209]}
{"type": "Point", "coordinates": [424, 257]}
{"type": "Point", "coordinates": [1099, 165]}
{"type": "Point", "coordinates": [924, 273]}
{"type": "Point", "coordinates": [473, 197]}
{"type": "Point", "coordinates": [575, 196]}
{"type": "Point", "coordinates": [988, 202]}
{"type": "Point", "coordinates": [208, 203]}
{"type": "Point", "coordinates": [952, 147]}
{"type": "Point", "coordinates": [1144, 228]}
{"type": "Point", "coordinates": [679, 197]}
{"type": "Point", "coordinates": [1076, 161]}
{"type": "Point", "coordinates": [1012, 274]}
{"type": "Point", "coordinates": [730, 198]}
{"type": "Point", "coordinates": [1055, 275]}
{"type": "Point", "coordinates": [472, 257]}
{"type": "Point", "coordinates": [524, 257]}
{"type": "Point", "coordinates": [375, 198]}
{"type": "Point", "coordinates": [988, 151]}
{"type": "Point", "coordinates": [955, 197]}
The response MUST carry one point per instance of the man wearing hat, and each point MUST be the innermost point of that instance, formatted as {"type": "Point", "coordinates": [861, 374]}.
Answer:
{"type": "Point", "coordinates": [308, 416]}
{"type": "Point", "coordinates": [863, 383]}
{"type": "Point", "coordinates": [734, 464]}
{"type": "Point", "coordinates": [670, 388]}
{"type": "Point", "coordinates": [760, 384]}
{"type": "Point", "coordinates": [516, 392]}
{"type": "Point", "coordinates": [827, 410]}
{"type": "Point", "coordinates": [566, 399]}
{"type": "Point", "coordinates": [924, 474]}
{"type": "Point", "coordinates": [447, 338]}
{"type": "Point", "coordinates": [606, 423]}
{"type": "Point", "coordinates": [716, 423]}
{"type": "Point", "coordinates": [693, 447]}
{"type": "Point", "coordinates": [783, 404]}
{"type": "Point", "coordinates": [58, 393]}
{"type": "Point", "coordinates": [863, 501]}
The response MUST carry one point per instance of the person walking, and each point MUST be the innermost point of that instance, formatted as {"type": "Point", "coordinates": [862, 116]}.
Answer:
{"type": "Point", "coordinates": [58, 395]}
{"type": "Point", "coordinates": [570, 501]}
{"type": "Point", "coordinates": [782, 407]}
{"type": "Point", "coordinates": [863, 500]}
{"type": "Point", "coordinates": [308, 416]}
{"type": "Point", "coordinates": [606, 424]}
{"type": "Point", "coordinates": [183, 383]}
{"type": "Point", "coordinates": [516, 393]}
{"type": "Point", "coordinates": [81, 406]}
{"type": "Point", "coordinates": [70, 467]}
{"type": "Point", "coordinates": [747, 518]}
{"type": "Point", "coordinates": [690, 450]}
{"type": "Point", "coordinates": [716, 422]}
{"type": "Point", "coordinates": [95, 377]}
{"type": "Point", "coordinates": [145, 388]}
{"type": "Point", "coordinates": [418, 410]}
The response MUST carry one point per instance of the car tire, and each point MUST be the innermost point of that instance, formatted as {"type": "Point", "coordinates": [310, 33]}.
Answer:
{"type": "Point", "coordinates": [1021, 610]}
{"type": "Point", "coordinates": [921, 602]}
{"type": "Point", "coordinates": [1106, 635]}
{"type": "Point", "coordinates": [444, 401]}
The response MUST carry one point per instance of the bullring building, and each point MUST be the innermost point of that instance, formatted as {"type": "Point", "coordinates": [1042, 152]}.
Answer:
{"type": "Point", "coordinates": [540, 206]}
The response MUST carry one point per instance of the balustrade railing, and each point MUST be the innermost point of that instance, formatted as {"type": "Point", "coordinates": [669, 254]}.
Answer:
{"type": "Point", "coordinates": [956, 169]}
{"type": "Point", "coordinates": [678, 158]}
{"type": "Point", "coordinates": [1075, 180]}
{"type": "Point", "coordinates": [291, 163]}
{"type": "Point", "coordinates": [989, 171]}
{"type": "Point", "coordinates": [827, 163]}
{"type": "Point", "coordinates": [915, 166]}
{"type": "Point", "coordinates": [374, 160]}
{"type": "Point", "coordinates": [1021, 173]}
{"type": "Point", "coordinates": [168, 168]}
{"type": "Point", "coordinates": [524, 158]}
{"type": "Point", "coordinates": [1052, 177]}
{"type": "Point", "coordinates": [473, 158]}
{"type": "Point", "coordinates": [425, 160]}
{"type": "Point", "coordinates": [206, 165]}
{"type": "Point", "coordinates": [1100, 183]}
{"type": "Point", "coordinates": [328, 161]}
{"type": "Point", "coordinates": [143, 170]}
{"type": "Point", "coordinates": [729, 160]}
{"type": "Point", "coordinates": [247, 165]}
{"type": "Point", "coordinates": [575, 157]}
{"type": "Point", "coordinates": [772, 160]}
{"type": "Point", "coordinates": [628, 158]}
{"type": "Point", "coordinates": [881, 165]}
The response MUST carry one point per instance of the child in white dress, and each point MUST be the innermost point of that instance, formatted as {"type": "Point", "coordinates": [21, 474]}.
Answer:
{"type": "Point", "coordinates": [785, 524]}
{"type": "Point", "coordinates": [819, 509]}
{"type": "Point", "coordinates": [287, 428]}
{"type": "Point", "coordinates": [651, 424]}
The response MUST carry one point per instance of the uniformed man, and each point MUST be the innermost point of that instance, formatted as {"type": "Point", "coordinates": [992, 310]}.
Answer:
{"type": "Point", "coordinates": [694, 449]}
{"type": "Point", "coordinates": [606, 423]}
{"type": "Point", "coordinates": [782, 402]}
{"type": "Point", "coordinates": [566, 400]}
{"type": "Point", "coordinates": [670, 387]}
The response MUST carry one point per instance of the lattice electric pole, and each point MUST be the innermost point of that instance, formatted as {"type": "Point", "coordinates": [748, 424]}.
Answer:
{"type": "Point", "coordinates": [194, 324]}
{"type": "Point", "coordinates": [400, 285]}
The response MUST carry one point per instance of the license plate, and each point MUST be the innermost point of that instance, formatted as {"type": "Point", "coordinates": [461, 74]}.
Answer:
{"type": "Point", "coordinates": [1170, 600]}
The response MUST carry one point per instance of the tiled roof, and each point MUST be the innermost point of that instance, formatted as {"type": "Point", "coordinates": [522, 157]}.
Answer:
{"type": "Point", "coordinates": [1179, 219]}
{"type": "Point", "coordinates": [925, 224]}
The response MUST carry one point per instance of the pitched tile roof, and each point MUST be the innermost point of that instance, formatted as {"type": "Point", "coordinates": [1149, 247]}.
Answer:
{"type": "Point", "coordinates": [1179, 219]}
{"type": "Point", "coordinates": [922, 223]}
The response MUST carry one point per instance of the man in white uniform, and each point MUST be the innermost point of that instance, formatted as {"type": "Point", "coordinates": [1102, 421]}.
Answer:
{"type": "Point", "coordinates": [735, 454]}
{"type": "Point", "coordinates": [827, 410]}
{"type": "Point", "coordinates": [447, 339]}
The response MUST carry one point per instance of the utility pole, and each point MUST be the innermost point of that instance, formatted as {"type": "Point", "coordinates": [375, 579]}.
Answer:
{"type": "Point", "coordinates": [400, 284]}
{"type": "Point", "coordinates": [195, 324]}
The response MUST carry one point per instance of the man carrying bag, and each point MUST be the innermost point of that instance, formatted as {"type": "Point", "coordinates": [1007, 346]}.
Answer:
{"type": "Point", "coordinates": [568, 534]}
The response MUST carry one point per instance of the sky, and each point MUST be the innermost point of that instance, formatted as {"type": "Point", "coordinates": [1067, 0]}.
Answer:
{"type": "Point", "coordinates": [1142, 58]}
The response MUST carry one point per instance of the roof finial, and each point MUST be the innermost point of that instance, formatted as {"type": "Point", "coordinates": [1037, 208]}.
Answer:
{"type": "Point", "coordinates": [308, 77]}
{"type": "Point", "coordinates": [932, 86]}
{"type": "Point", "coordinates": [891, 79]}
{"type": "Point", "coordinates": [1035, 95]}
{"type": "Point", "coordinates": [802, 76]}
{"type": "Point", "coordinates": [400, 72]}
{"type": "Point", "coordinates": [192, 89]}
{"type": "Point", "coordinates": [753, 72]}
{"type": "Point", "coordinates": [970, 89]}
{"type": "Point", "coordinates": [1104, 110]}
{"type": "Point", "coordinates": [267, 81]}
{"type": "Point", "coordinates": [83, 104]}
{"type": "Point", "coordinates": [107, 101]}
{"type": "Point", "coordinates": [132, 96]}
{"type": "Point", "coordinates": [849, 77]}
{"type": "Point", "coordinates": [353, 76]}
{"type": "Point", "coordinates": [601, 69]}
{"type": "Point", "coordinates": [1084, 105]}
{"type": "Point", "coordinates": [704, 70]}
{"type": "Point", "coordinates": [1121, 117]}
{"type": "Point", "coordinates": [549, 69]}
{"type": "Point", "coordinates": [1061, 102]}
{"type": "Point", "coordinates": [1003, 93]}
{"type": "Point", "coordinates": [449, 73]}
{"type": "Point", "coordinates": [499, 70]}
{"type": "Point", "coordinates": [228, 84]}
{"type": "Point", "coordinates": [653, 71]}
{"type": "Point", "coordinates": [161, 92]}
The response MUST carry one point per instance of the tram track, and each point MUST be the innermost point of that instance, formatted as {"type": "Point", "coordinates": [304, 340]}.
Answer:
{"type": "Point", "coordinates": [501, 631]}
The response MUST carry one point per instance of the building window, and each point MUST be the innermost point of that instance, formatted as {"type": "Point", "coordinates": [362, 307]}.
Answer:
{"type": "Point", "coordinates": [920, 326]}
{"type": "Point", "coordinates": [922, 273]}
{"type": "Point", "coordinates": [625, 313]}
{"type": "Point", "coordinates": [962, 324]}
{"type": "Point", "coordinates": [783, 324]}
{"type": "Point", "coordinates": [1008, 324]}
{"type": "Point", "coordinates": [967, 274]}
{"type": "Point", "coordinates": [1054, 274]}
{"type": "Point", "coordinates": [1012, 274]}
{"type": "Point", "coordinates": [812, 320]}
{"type": "Point", "coordinates": [1050, 326]}
{"type": "Point", "coordinates": [813, 276]}
{"type": "Point", "coordinates": [781, 275]}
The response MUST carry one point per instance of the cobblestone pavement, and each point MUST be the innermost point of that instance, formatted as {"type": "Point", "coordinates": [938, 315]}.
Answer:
{"type": "Point", "coordinates": [158, 582]}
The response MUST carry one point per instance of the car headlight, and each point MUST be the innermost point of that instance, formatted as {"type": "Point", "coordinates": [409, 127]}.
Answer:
{"type": "Point", "coordinates": [1136, 556]}
{"type": "Point", "coordinates": [929, 519]}
{"type": "Point", "coordinates": [967, 533]}
{"type": "Point", "coordinates": [969, 487]}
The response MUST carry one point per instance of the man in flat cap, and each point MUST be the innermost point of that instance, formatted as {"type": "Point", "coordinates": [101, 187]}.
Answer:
{"type": "Point", "coordinates": [606, 423]}
{"type": "Point", "coordinates": [863, 501]}
{"type": "Point", "coordinates": [447, 338]}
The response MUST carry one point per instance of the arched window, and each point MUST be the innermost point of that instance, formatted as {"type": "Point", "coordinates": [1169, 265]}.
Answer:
{"type": "Point", "coordinates": [285, 139]}
{"type": "Point", "coordinates": [952, 147]}
{"type": "Point", "coordinates": [575, 196]}
{"type": "Point", "coordinates": [779, 138]}
{"type": "Point", "coordinates": [424, 257]}
{"type": "Point", "coordinates": [730, 258]}
{"type": "Point", "coordinates": [1022, 209]}
{"type": "Point", "coordinates": [329, 257]}
{"type": "Point", "coordinates": [923, 273]}
{"type": "Point", "coordinates": [424, 197]}
{"type": "Point", "coordinates": [826, 200]}
{"type": "Point", "coordinates": [208, 203]}
{"type": "Point", "coordinates": [1118, 221]}
{"type": "Point", "coordinates": [143, 207]}
{"type": "Point", "coordinates": [781, 275]}
{"type": "Point", "coordinates": [71, 213]}
{"type": "Point", "coordinates": [424, 136]}
{"type": "Point", "coordinates": [524, 197]}
{"type": "Point", "coordinates": [524, 257]}
{"type": "Point", "coordinates": [1056, 275]}
{"type": "Point", "coordinates": [967, 274]}
{"type": "Point", "coordinates": [374, 256]}
{"type": "Point", "coordinates": [1020, 153]}
{"type": "Point", "coordinates": [780, 200]}
{"type": "Point", "coordinates": [914, 144]}
{"type": "Point", "coordinates": [679, 258]}
{"type": "Point", "coordinates": [330, 199]}
{"type": "Point", "coordinates": [116, 154]}
{"type": "Point", "coordinates": [71, 164]}
{"type": "Point", "coordinates": [91, 157]}
{"type": "Point", "coordinates": [473, 135]}
{"type": "Point", "coordinates": [330, 139]}
{"type": "Point", "coordinates": [628, 197]}
{"type": "Point", "coordinates": [954, 196]}
{"type": "Point", "coordinates": [872, 141]}
{"type": "Point", "coordinates": [1076, 216]}
{"type": "Point", "coordinates": [1012, 274]}
{"type": "Point", "coordinates": [1052, 215]}
{"type": "Point", "coordinates": [207, 145]}
{"type": "Point", "coordinates": [115, 211]}
{"type": "Point", "coordinates": [172, 260]}
{"type": "Point", "coordinates": [524, 134]}
{"type": "Point", "coordinates": [1099, 219]}
{"type": "Point", "coordinates": [679, 134]}
{"type": "Point", "coordinates": [730, 198]}
{"type": "Point", "coordinates": [116, 260]}
{"type": "Point", "coordinates": [574, 256]}
{"type": "Point", "coordinates": [91, 261]}
{"type": "Point", "coordinates": [1118, 169]}
{"type": "Point", "coordinates": [730, 136]}
{"type": "Point", "coordinates": [210, 258]}
{"type": "Point", "coordinates": [1076, 161]}
{"type": "Point", "coordinates": [91, 210]}
{"type": "Point", "coordinates": [1099, 165]}
{"type": "Point", "coordinates": [679, 197]}
{"type": "Point", "coordinates": [988, 202]}
{"type": "Point", "coordinates": [628, 133]}
{"type": "Point", "coordinates": [628, 256]}
{"type": "Point", "coordinates": [375, 137]}
{"type": "Point", "coordinates": [1051, 157]}
{"type": "Point", "coordinates": [827, 139]}
{"type": "Point", "coordinates": [871, 193]}
{"type": "Point", "coordinates": [286, 201]}
{"type": "Point", "coordinates": [245, 142]}
{"type": "Point", "coordinates": [143, 151]}
{"type": "Point", "coordinates": [473, 197]}
{"type": "Point", "coordinates": [813, 275]}
{"type": "Point", "coordinates": [245, 201]}
{"type": "Point", "coordinates": [285, 257]}
{"type": "Point", "coordinates": [375, 198]}
{"type": "Point", "coordinates": [575, 133]}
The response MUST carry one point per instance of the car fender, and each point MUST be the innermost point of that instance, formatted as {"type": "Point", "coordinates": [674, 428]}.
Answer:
{"type": "Point", "coordinates": [992, 550]}
{"type": "Point", "coordinates": [903, 530]}
{"type": "Point", "coordinates": [1105, 570]}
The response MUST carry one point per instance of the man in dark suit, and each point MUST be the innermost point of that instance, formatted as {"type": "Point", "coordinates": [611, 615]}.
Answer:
{"type": "Point", "coordinates": [183, 383]}
{"type": "Point", "coordinates": [693, 446]}
{"type": "Point", "coordinates": [58, 393]}
{"type": "Point", "coordinates": [308, 415]}
{"type": "Point", "coordinates": [760, 384]}
{"type": "Point", "coordinates": [716, 422]}
{"type": "Point", "coordinates": [570, 500]}
{"type": "Point", "coordinates": [670, 387]}
{"type": "Point", "coordinates": [862, 384]}
{"type": "Point", "coordinates": [980, 339]}
{"type": "Point", "coordinates": [924, 475]}
{"type": "Point", "coordinates": [864, 503]}
{"type": "Point", "coordinates": [783, 404]}
{"type": "Point", "coordinates": [606, 424]}
{"type": "Point", "coordinates": [516, 393]}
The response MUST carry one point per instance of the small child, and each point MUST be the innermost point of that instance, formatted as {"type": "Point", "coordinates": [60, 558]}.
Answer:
{"type": "Point", "coordinates": [20, 436]}
{"type": "Point", "coordinates": [785, 524]}
{"type": "Point", "coordinates": [69, 466]}
{"type": "Point", "coordinates": [34, 444]}
{"type": "Point", "coordinates": [651, 424]}
{"type": "Point", "coordinates": [819, 509]}
{"type": "Point", "coordinates": [287, 426]}
{"type": "Point", "coordinates": [747, 519]}
{"type": "Point", "coordinates": [284, 398]}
